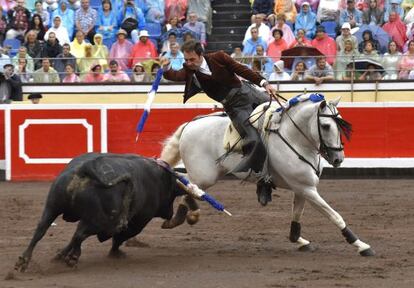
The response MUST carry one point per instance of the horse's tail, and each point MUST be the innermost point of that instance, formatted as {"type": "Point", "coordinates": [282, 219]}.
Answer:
{"type": "Point", "coordinates": [171, 147]}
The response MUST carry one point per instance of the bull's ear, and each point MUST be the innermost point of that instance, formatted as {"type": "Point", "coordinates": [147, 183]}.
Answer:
{"type": "Point", "coordinates": [335, 101]}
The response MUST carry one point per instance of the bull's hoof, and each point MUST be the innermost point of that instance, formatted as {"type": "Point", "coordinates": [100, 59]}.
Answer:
{"type": "Point", "coordinates": [134, 242]}
{"type": "Point", "coordinates": [21, 264]}
{"type": "Point", "coordinates": [117, 254]}
{"type": "Point", "coordinates": [193, 217]}
{"type": "Point", "coordinates": [307, 248]}
{"type": "Point", "coordinates": [169, 224]}
{"type": "Point", "coordinates": [71, 260]}
{"type": "Point", "coordinates": [367, 252]}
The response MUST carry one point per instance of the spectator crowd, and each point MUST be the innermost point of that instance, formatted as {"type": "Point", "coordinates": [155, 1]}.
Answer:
{"type": "Point", "coordinates": [52, 41]}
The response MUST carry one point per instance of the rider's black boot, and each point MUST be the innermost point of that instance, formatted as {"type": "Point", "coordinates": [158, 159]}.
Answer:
{"type": "Point", "coordinates": [264, 192]}
{"type": "Point", "coordinates": [254, 157]}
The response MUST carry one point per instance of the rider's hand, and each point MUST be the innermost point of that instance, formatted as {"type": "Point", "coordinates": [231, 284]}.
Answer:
{"type": "Point", "coordinates": [269, 89]}
{"type": "Point", "coordinates": [164, 63]}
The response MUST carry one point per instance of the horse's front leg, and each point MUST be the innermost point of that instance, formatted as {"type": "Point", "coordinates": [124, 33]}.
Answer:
{"type": "Point", "coordinates": [295, 227]}
{"type": "Point", "coordinates": [320, 204]}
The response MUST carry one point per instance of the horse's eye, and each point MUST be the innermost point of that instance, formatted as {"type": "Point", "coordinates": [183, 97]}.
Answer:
{"type": "Point", "coordinates": [326, 127]}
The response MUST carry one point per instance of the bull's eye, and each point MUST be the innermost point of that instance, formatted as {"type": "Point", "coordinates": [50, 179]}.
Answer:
{"type": "Point", "coordinates": [326, 127]}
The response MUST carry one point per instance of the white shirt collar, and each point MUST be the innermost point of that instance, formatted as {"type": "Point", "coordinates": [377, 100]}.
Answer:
{"type": "Point", "coordinates": [204, 67]}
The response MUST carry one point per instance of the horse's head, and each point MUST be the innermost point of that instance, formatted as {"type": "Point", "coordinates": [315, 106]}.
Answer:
{"type": "Point", "coordinates": [331, 128]}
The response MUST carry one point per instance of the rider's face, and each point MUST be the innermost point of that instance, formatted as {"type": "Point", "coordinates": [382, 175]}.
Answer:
{"type": "Point", "coordinates": [193, 60]}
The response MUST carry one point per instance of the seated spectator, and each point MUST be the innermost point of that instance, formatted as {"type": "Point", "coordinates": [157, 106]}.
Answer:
{"type": "Point", "coordinates": [187, 36]}
{"type": "Point", "coordinates": [114, 74]}
{"type": "Point", "coordinates": [19, 18]}
{"type": "Point", "coordinates": [156, 13]}
{"type": "Point", "coordinates": [277, 45]}
{"type": "Point", "coordinates": [61, 33]}
{"type": "Point", "coordinates": [373, 15]}
{"type": "Point", "coordinates": [344, 57]}
{"type": "Point", "coordinates": [85, 20]}
{"type": "Point", "coordinates": [143, 49]}
{"type": "Point", "coordinates": [4, 59]}
{"type": "Point", "coordinates": [77, 46]}
{"type": "Point", "coordinates": [107, 21]}
{"type": "Point", "coordinates": [175, 56]}
{"type": "Point", "coordinates": [50, 5]}
{"type": "Point", "coordinates": [288, 35]}
{"type": "Point", "coordinates": [74, 5]}
{"type": "Point", "coordinates": [197, 27]}
{"type": "Point", "coordinates": [154, 69]}
{"type": "Point", "coordinates": [370, 74]}
{"type": "Point", "coordinates": [175, 8]}
{"type": "Point", "coordinates": [396, 29]}
{"type": "Point", "coordinates": [11, 85]}
{"type": "Point", "coordinates": [394, 8]}
{"type": "Point", "coordinates": [250, 45]}
{"type": "Point", "coordinates": [166, 45]}
{"type": "Point", "coordinates": [266, 62]}
{"type": "Point", "coordinates": [94, 75]}
{"type": "Point", "coordinates": [313, 4]}
{"type": "Point", "coordinates": [300, 40]}
{"type": "Point", "coordinates": [35, 98]}
{"type": "Point", "coordinates": [7, 5]}
{"type": "Point", "coordinates": [51, 48]}
{"type": "Point", "coordinates": [64, 59]}
{"type": "Point", "coordinates": [407, 61]}
{"type": "Point", "coordinates": [262, 7]}
{"type": "Point", "coordinates": [3, 26]}
{"type": "Point", "coordinates": [346, 35]}
{"type": "Point", "coordinates": [131, 19]}
{"type": "Point", "coordinates": [22, 53]}
{"type": "Point", "coordinates": [299, 72]}
{"type": "Point", "coordinates": [409, 17]}
{"type": "Point", "coordinates": [204, 12]}
{"type": "Point", "coordinates": [24, 74]}
{"type": "Point", "coordinates": [70, 75]}
{"type": "Point", "coordinates": [350, 15]}
{"type": "Point", "coordinates": [391, 62]}
{"type": "Point", "coordinates": [350, 73]}
{"type": "Point", "coordinates": [367, 37]}
{"type": "Point", "coordinates": [34, 48]}
{"type": "Point", "coordinates": [173, 24]}
{"type": "Point", "coordinates": [121, 50]}
{"type": "Point", "coordinates": [320, 72]}
{"type": "Point", "coordinates": [407, 5]}
{"type": "Point", "coordinates": [279, 73]}
{"type": "Point", "coordinates": [46, 74]}
{"type": "Point", "coordinates": [306, 20]}
{"type": "Point", "coordinates": [238, 55]}
{"type": "Point", "coordinates": [85, 63]}
{"type": "Point", "coordinates": [287, 9]}
{"type": "Point", "coordinates": [370, 53]}
{"type": "Point", "coordinates": [67, 15]}
{"type": "Point", "coordinates": [138, 74]}
{"type": "Point", "coordinates": [325, 44]}
{"type": "Point", "coordinates": [36, 25]}
{"type": "Point", "coordinates": [44, 15]}
{"type": "Point", "coordinates": [100, 51]}
{"type": "Point", "coordinates": [264, 30]}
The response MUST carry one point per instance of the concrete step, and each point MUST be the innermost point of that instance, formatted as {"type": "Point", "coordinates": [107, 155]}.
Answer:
{"type": "Point", "coordinates": [225, 37]}
{"type": "Point", "coordinates": [219, 23]}
{"type": "Point", "coordinates": [230, 30]}
{"type": "Point", "coordinates": [232, 15]}
{"type": "Point", "coordinates": [230, 2]}
{"type": "Point", "coordinates": [227, 46]}
{"type": "Point", "coordinates": [231, 7]}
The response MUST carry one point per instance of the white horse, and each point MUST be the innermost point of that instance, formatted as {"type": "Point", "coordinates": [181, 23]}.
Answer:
{"type": "Point", "coordinates": [306, 131]}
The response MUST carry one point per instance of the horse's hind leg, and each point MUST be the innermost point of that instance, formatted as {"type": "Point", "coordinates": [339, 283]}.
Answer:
{"type": "Point", "coordinates": [295, 227]}
{"type": "Point", "coordinates": [47, 219]}
{"type": "Point", "coordinates": [320, 204]}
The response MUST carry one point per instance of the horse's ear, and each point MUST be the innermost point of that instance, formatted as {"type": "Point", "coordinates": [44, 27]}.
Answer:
{"type": "Point", "coordinates": [322, 105]}
{"type": "Point", "coordinates": [335, 101]}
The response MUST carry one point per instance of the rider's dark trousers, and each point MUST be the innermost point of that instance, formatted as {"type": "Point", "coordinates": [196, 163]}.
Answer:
{"type": "Point", "coordinates": [239, 104]}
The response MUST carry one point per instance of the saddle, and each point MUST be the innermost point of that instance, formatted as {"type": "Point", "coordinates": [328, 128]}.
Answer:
{"type": "Point", "coordinates": [259, 118]}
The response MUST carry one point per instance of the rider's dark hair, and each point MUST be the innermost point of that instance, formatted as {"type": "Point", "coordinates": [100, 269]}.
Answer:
{"type": "Point", "coordinates": [192, 46]}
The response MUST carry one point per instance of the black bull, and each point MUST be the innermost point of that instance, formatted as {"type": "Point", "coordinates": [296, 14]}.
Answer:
{"type": "Point", "coordinates": [111, 195]}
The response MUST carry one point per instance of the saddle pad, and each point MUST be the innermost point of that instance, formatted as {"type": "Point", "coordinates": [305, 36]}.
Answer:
{"type": "Point", "coordinates": [232, 139]}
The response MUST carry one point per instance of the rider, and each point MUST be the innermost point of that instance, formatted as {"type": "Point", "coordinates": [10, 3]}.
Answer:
{"type": "Point", "coordinates": [217, 75]}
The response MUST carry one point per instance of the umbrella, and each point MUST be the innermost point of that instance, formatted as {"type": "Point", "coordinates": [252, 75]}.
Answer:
{"type": "Point", "coordinates": [377, 33]}
{"type": "Point", "coordinates": [288, 56]}
{"type": "Point", "coordinates": [362, 65]}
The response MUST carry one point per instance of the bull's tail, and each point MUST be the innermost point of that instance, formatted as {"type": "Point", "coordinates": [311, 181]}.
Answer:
{"type": "Point", "coordinates": [171, 149]}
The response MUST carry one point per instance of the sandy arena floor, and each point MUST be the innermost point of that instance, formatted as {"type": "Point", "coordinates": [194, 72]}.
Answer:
{"type": "Point", "coordinates": [250, 249]}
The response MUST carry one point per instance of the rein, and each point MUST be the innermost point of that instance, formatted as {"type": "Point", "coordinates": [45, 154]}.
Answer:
{"type": "Point", "coordinates": [323, 149]}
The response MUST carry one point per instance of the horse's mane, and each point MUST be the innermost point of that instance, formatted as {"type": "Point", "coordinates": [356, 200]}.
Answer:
{"type": "Point", "coordinates": [344, 127]}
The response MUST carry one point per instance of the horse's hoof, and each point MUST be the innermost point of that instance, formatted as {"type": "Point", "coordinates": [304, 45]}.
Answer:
{"type": "Point", "coordinates": [21, 264]}
{"type": "Point", "coordinates": [71, 260]}
{"type": "Point", "coordinates": [367, 252]}
{"type": "Point", "coordinates": [307, 248]}
{"type": "Point", "coordinates": [117, 254]}
{"type": "Point", "coordinates": [193, 217]}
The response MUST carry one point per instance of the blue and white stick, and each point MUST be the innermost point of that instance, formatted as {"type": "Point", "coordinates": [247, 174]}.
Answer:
{"type": "Point", "coordinates": [148, 103]}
